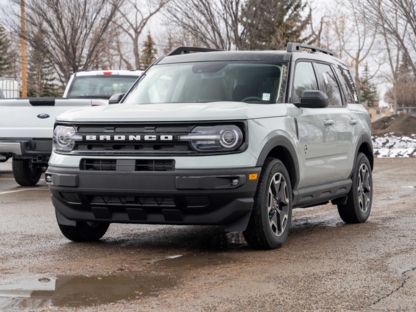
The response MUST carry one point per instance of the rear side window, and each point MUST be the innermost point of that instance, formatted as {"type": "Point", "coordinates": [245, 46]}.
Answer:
{"type": "Point", "coordinates": [329, 84]}
{"type": "Point", "coordinates": [305, 79]}
{"type": "Point", "coordinates": [347, 83]}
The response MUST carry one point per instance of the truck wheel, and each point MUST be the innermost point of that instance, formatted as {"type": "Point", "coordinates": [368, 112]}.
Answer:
{"type": "Point", "coordinates": [270, 219]}
{"type": "Point", "coordinates": [84, 231]}
{"type": "Point", "coordinates": [358, 206]}
{"type": "Point", "coordinates": [24, 173]}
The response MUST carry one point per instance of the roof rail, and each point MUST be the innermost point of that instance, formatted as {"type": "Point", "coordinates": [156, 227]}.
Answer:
{"type": "Point", "coordinates": [186, 50]}
{"type": "Point", "coordinates": [296, 47]}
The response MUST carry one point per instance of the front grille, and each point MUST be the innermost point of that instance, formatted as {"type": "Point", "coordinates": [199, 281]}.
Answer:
{"type": "Point", "coordinates": [138, 146]}
{"type": "Point", "coordinates": [99, 164]}
{"type": "Point", "coordinates": [127, 165]}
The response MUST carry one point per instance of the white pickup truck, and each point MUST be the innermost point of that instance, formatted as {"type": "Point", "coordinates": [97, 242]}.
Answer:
{"type": "Point", "coordinates": [26, 125]}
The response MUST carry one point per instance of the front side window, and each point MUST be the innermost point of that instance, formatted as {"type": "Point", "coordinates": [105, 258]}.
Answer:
{"type": "Point", "coordinates": [347, 82]}
{"type": "Point", "coordinates": [102, 87]}
{"type": "Point", "coordinates": [329, 84]}
{"type": "Point", "coordinates": [305, 79]}
{"type": "Point", "coordinates": [204, 82]}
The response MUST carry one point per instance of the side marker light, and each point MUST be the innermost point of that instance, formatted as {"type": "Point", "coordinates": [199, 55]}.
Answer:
{"type": "Point", "coordinates": [253, 176]}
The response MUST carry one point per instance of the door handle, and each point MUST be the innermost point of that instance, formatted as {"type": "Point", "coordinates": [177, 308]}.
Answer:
{"type": "Point", "coordinates": [353, 122]}
{"type": "Point", "coordinates": [328, 122]}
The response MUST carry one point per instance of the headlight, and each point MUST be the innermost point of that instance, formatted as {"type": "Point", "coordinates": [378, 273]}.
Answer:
{"type": "Point", "coordinates": [215, 138]}
{"type": "Point", "coordinates": [64, 138]}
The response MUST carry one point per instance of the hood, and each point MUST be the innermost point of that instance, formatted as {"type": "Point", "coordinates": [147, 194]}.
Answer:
{"type": "Point", "coordinates": [175, 112]}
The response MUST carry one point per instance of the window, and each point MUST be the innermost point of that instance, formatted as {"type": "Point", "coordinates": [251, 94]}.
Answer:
{"type": "Point", "coordinates": [204, 82]}
{"type": "Point", "coordinates": [305, 79]}
{"type": "Point", "coordinates": [329, 84]}
{"type": "Point", "coordinates": [347, 84]}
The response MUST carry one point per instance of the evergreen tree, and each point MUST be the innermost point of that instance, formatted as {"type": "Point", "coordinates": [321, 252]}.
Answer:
{"type": "Point", "coordinates": [148, 53]}
{"type": "Point", "coordinates": [40, 75]}
{"type": "Point", "coordinates": [270, 25]}
{"type": "Point", "coordinates": [4, 51]}
{"type": "Point", "coordinates": [368, 90]}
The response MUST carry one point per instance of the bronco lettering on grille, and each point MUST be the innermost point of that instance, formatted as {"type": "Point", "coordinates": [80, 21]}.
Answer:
{"type": "Point", "coordinates": [128, 137]}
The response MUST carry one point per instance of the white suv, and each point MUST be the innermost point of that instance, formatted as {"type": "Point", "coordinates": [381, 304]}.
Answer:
{"type": "Point", "coordinates": [236, 139]}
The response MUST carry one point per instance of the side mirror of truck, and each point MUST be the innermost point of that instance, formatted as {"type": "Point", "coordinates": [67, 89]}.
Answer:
{"type": "Point", "coordinates": [115, 98]}
{"type": "Point", "coordinates": [313, 99]}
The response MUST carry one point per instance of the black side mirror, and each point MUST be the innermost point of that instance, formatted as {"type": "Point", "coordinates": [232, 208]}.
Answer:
{"type": "Point", "coordinates": [115, 98]}
{"type": "Point", "coordinates": [313, 99]}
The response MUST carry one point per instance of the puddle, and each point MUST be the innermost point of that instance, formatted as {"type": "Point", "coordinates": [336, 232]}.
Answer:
{"type": "Point", "coordinates": [80, 291]}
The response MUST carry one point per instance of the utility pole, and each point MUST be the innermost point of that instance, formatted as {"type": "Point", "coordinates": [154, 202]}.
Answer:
{"type": "Point", "coordinates": [23, 47]}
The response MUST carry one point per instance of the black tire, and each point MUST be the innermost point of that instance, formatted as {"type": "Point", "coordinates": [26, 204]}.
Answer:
{"type": "Point", "coordinates": [272, 205]}
{"type": "Point", "coordinates": [84, 231]}
{"type": "Point", "coordinates": [24, 173]}
{"type": "Point", "coordinates": [360, 198]}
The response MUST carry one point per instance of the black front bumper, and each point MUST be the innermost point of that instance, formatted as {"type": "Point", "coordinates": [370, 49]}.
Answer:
{"type": "Point", "coordinates": [198, 197]}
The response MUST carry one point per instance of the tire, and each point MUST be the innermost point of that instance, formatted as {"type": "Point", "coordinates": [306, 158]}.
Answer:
{"type": "Point", "coordinates": [84, 231]}
{"type": "Point", "coordinates": [24, 173]}
{"type": "Point", "coordinates": [360, 198]}
{"type": "Point", "coordinates": [271, 217]}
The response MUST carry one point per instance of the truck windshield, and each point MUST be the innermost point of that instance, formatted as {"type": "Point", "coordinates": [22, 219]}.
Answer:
{"type": "Point", "coordinates": [209, 82]}
{"type": "Point", "coordinates": [101, 87]}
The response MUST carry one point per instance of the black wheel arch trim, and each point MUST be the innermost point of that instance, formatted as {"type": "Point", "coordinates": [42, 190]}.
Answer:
{"type": "Point", "coordinates": [281, 141]}
{"type": "Point", "coordinates": [364, 138]}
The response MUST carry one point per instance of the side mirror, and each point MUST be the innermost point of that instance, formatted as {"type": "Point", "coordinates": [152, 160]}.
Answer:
{"type": "Point", "coordinates": [313, 99]}
{"type": "Point", "coordinates": [115, 98]}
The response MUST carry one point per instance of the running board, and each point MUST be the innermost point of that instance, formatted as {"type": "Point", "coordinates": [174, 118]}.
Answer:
{"type": "Point", "coordinates": [311, 196]}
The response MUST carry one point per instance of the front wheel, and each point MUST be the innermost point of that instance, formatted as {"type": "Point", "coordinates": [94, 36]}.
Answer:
{"type": "Point", "coordinates": [84, 231]}
{"type": "Point", "coordinates": [271, 217]}
{"type": "Point", "coordinates": [360, 198]}
{"type": "Point", "coordinates": [25, 173]}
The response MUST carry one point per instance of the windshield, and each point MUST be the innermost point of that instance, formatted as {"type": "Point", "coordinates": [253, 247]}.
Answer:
{"type": "Point", "coordinates": [209, 82]}
{"type": "Point", "coordinates": [102, 87]}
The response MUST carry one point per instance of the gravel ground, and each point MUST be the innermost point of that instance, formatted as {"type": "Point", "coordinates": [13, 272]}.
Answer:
{"type": "Point", "coordinates": [325, 264]}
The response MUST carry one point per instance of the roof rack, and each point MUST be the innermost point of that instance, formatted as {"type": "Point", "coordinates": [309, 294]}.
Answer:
{"type": "Point", "coordinates": [296, 47]}
{"type": "Point", "coordinates": [186, 50]}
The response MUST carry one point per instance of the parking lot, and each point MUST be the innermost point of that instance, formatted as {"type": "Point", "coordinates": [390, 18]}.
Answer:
{"type": "Point", "coordinates": [325, 263]}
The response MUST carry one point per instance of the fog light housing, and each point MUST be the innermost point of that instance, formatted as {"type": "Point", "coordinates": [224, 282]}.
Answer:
{"type": "Point", "coordinates": [48, 178]}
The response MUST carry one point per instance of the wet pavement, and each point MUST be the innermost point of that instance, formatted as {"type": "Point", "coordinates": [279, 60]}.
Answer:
{"type": "Point", "coordinates": [325, 264]}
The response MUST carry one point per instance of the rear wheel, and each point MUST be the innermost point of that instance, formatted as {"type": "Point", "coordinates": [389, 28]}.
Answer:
{"type": "Point", "coordinates": [84, 231]}
{"type": "Point", "coordinates": [360, 198]}
{"type": "Point", "coordinates": [25, 173]}
{"type": "Point", "coordinates": [270, 219]}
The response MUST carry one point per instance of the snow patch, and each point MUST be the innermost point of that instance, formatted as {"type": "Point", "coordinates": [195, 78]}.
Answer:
{"type": "Point", "coordinates": [391, 146]}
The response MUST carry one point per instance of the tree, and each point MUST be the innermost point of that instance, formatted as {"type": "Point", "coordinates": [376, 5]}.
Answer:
{"type": "Point", "coordinates": [270, 25]}
{"type": "Point", "coordinates": [368, 91]}
{"type": "Point", "coordinates": [4, 51]}
{"type": "Point", "coordinates": [133, 24]}
{"type": "Point", "coordinates": [72, 30]}
{"type": "Point", "coordinates": [149, 52]}
{"type": "Point", "coordinates": [40, 76]}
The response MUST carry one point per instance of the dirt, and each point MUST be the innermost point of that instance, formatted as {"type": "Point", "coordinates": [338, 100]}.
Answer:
{"type": "Point", "coordinates": [399, 124]}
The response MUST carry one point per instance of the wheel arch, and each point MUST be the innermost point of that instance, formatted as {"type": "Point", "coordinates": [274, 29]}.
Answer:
{"type": "Point", "coordinates": [281, 148]}
{"type": "Point", "coordinates": [365, 146]}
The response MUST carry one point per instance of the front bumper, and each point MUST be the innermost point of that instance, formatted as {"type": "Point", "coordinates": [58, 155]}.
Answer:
{"type": "Point", "coordinates": [184, 197]}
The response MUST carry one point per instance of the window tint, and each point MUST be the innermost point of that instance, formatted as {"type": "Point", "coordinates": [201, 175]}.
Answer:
{"type": "Point", "coordinates": [348, 84]}
{"type": "Point", "coordinates": [329, 84]}
{"type": "Point", "coordinates": [305, 79]}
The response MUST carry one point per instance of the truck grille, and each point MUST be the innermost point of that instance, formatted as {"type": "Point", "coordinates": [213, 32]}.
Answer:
{"type": "Point", "coordinates": [127, 165]}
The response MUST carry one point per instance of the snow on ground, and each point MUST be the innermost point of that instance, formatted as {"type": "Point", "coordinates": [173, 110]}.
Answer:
{"type": "Point", "coordinates": [391, 146]}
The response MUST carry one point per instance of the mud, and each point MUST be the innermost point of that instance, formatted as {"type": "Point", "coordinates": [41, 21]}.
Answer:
{"type": "Point", "coordinates": [325, 264]}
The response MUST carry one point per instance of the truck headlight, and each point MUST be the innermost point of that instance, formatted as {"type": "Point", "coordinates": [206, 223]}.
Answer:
{"type": "Point", "coordinates": [64, 138]}
{"type": "Point", "coordinates": [215, 138]}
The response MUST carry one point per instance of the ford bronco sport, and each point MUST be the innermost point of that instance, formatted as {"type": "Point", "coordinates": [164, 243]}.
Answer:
{"type": "Point", "coordinates": [236, 139]}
